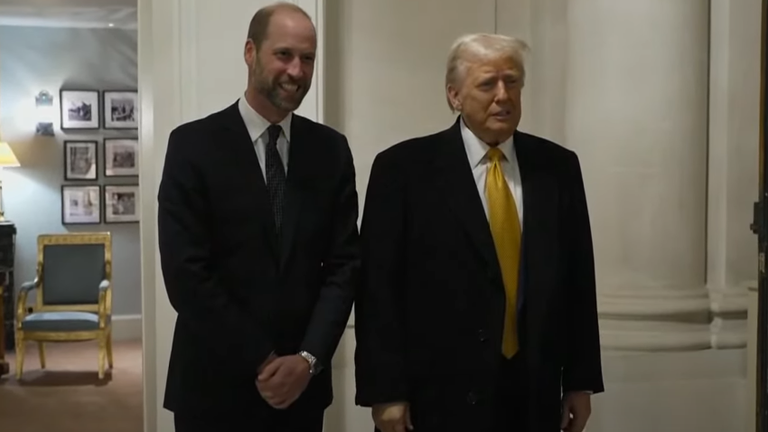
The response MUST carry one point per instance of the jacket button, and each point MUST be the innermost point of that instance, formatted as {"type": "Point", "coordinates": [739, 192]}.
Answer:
{"type": "Point", "coordinates": [471, 398]}
{"type": "Point", "coordinates": [482, 335]}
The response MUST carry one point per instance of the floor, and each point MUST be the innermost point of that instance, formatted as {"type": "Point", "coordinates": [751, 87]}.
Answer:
{"type": "Point", "coordinates": [68, 396]}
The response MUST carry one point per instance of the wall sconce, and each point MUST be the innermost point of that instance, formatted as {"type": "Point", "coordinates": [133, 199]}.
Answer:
{"type": "Point", "coordinates": [44, 113]}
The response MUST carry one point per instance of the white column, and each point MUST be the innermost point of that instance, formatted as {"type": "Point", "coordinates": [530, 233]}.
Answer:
{"type": "Point", "coordinates": [636, 113]}
{"type": "Point", "coordinates": [190, 64]}
{"type": "Point", "coordinates": [543, 24]}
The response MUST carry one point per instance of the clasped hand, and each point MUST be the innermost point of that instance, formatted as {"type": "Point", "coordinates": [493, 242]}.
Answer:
{"type": "Point", "coordinates": [392, 417]}
{"type": "Point", "coordinates": [282, 380]}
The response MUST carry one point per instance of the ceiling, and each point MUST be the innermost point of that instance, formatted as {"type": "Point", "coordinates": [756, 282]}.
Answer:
{"type": "Point", "coordinates": [69, 13]}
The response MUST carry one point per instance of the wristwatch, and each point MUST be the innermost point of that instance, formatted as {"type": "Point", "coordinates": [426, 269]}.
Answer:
{"type": "Point", "coordinates": [314, 367]}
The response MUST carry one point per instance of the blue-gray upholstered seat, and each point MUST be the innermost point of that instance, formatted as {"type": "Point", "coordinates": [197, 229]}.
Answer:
{"type": "Point", "coordinates": [61, 321]}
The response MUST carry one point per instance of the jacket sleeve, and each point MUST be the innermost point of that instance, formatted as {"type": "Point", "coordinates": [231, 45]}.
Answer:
{"type": "Point", "coordinates": [185, 240]}
{"type": "Point", "coordinates": [341, 267]}
{"type": "Point", "coordinates": [582, 368]}
{"type": "Point", "coordinates": [379, 304]}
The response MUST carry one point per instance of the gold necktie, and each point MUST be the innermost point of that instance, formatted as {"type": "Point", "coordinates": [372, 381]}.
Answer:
{"type": "Point", "coordinates": [506, 231]}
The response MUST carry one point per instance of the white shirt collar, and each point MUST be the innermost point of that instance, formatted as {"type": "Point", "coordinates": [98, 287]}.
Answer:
{"type": "Point", "coordinates": [477, 149]}
{"type": "Point", "coordinates": [257, 125]}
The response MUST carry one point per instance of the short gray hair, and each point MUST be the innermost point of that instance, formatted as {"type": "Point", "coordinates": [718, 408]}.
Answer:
{"type": "Point", "coordinates": [481, 46]}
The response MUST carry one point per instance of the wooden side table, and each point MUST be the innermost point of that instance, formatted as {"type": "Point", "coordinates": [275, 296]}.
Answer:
{"type": "Point", "coordinates": [4, 367]}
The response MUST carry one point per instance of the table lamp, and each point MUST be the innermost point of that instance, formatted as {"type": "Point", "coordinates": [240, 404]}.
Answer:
{"type": "Point", "coordinates": [7, 160]}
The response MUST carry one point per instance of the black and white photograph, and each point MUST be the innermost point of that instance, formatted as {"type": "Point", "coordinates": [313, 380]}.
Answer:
{"type": "Point", "coordinates": [80, 109]}
{"type": "Point", "coordinates": [121, 109]}
{"type": "Point", "coordinates": [121, 157]}
{"type": "Point", "coordinates": [80, 160]}
{"type": "Point", "coordinates": [121, 203]}
{"type": "Point", "coordinates": [80, 204]}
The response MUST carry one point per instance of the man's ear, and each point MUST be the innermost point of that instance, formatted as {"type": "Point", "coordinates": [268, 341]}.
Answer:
{"type": "Point", "coordinates": [249, 51]}
{"type": "Point", "coordinates": [453, 97]}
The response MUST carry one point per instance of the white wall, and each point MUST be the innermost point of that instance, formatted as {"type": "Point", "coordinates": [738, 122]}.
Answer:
{"type": "Point", "coordinates": [384, 63]}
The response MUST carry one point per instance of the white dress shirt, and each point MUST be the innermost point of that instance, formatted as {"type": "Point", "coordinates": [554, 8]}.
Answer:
{"type": "Point", "coordinates": [479, 162]}
{"type": "Point", "coordinates": [257, 129]}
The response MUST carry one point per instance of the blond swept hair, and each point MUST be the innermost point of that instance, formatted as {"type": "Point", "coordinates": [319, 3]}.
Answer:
{"type": "Point", "coordinates": [476, 46]}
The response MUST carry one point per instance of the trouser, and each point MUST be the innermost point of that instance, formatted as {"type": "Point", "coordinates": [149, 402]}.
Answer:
{"type": "Point", "coordinates": [273, 421]}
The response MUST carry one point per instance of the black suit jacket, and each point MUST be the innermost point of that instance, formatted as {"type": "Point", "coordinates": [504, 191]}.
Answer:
{"type": "Point", "coordinates": [430, 309]}
{"type": "Point", "coordinates": [242, 292]}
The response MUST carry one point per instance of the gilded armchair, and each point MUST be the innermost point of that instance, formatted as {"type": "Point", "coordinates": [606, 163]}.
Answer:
{"type": "Point", "coordinates": [73, 291]}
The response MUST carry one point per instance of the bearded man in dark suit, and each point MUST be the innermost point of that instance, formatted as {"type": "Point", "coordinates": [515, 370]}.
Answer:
{"type": "Point", "coordinates": [259, 246]}
{"type": "Point", "coordinates": [477, 308]}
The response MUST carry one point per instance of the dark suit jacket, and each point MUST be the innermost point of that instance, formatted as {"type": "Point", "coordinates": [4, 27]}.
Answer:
{"type": "Point", "coordinates": [239, 290]}
{"type": "Point", "coordinates": [430, 309]}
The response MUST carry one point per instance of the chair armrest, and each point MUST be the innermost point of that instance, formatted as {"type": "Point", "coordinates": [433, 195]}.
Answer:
{"type": "Point", "coordinates": [21, 301]}
{"type": "Point", "coordinates": [29, 286]}
{"type": "Point", "coordinates": [105, 302]}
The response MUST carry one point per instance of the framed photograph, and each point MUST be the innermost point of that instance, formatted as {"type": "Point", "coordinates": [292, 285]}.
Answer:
{"type": "Point", "coordinates": [121, 109]}
{"type": "Point", "coordinates": [80, 109]}
{"type": "Point", "coordinates": [121, 203]}
{"type": "Point", "coordinates": [121, 157]}
{"type": "Point", "coordinates": [80, 204]}
{"type": "Point", "coordinates": [80, 160]}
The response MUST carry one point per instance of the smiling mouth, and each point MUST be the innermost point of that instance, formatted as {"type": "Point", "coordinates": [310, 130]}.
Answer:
{"type": "Point", "coordinates": [290, 88]}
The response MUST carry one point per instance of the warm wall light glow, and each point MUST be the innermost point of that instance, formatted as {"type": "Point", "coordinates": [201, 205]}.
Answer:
{"type": "Point", "coordinates": [7, 158]}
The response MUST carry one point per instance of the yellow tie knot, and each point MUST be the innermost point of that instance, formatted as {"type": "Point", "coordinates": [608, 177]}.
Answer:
{"type": "Point", "coordinates": [495, 154]}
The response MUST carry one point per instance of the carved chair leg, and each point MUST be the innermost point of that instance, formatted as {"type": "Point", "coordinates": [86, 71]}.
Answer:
{"type": "Point", "coordinates": [41, 351]}
{"type": "Point", "coordinates": [19, 355]}
{"type": "Point", "coordinates": [102, 355]}
{"type": "Point", "coordinates": [109, 350]}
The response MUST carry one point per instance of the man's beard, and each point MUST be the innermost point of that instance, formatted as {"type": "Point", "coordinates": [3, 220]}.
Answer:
{"type": "Point", "coordinates": [271, 90]}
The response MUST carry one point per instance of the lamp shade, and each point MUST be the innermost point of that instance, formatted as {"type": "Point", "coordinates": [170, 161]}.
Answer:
{"type": "Point", "coordinates": [7, 158]}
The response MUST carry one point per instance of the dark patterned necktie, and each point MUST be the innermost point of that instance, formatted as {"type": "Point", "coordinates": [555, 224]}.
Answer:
{"type": "Point", "coordinates": [275, 175]}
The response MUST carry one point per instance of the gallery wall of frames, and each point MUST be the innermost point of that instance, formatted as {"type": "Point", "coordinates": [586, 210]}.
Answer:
{"type": "Point", "coordinates": [83, 199]}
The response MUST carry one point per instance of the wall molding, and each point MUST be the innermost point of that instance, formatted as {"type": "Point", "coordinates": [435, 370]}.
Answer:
{"type": "Point", "coordinates": [126, 327]}
{"type": "Point", "coordinates": [730, 300]}
{"type": "Point", "coordinates": [729, 306]}
{"type": "Point", "coordinates": [653, 302]}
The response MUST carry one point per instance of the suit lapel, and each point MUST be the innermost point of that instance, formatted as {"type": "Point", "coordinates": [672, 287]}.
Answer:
{"type": "Point", "coordinates": [459, 187]}
{"type": "Point", "coordinates": [245, 154]}
{"type": "Point", "coordinates": [299, 167]}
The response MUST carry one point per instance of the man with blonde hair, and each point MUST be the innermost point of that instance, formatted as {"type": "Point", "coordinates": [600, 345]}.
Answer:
{"type": "Point", "coordinates": [477, 308]}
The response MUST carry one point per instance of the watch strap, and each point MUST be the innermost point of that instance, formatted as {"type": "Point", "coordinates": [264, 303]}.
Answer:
{"type": "Point", "coordinates": [314, 366]}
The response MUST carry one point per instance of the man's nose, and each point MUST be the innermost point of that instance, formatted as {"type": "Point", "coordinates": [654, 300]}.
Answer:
{"type": "Point", "coordinates": [294, 68]}
{"type": "Point", "coordinates": [501, 92]}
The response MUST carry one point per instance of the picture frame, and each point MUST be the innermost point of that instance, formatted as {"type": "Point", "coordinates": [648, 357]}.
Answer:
{"type": "Point", "coordinates": [80, 109]}
{"type": "Point", "coordinates": [80, 205]}
{"type": "Point", "coordinates": [122, 203]}
{"type": "Point", "coordinates": [121, 157]}
{"type": "Point", "coordinates": [81, 160]}
{"type": "Point", "coordinates": [120, 109]}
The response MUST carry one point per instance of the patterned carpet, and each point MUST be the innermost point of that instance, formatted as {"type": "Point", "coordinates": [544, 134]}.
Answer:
{"type": "Point", "coordinates": [67, 396]}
